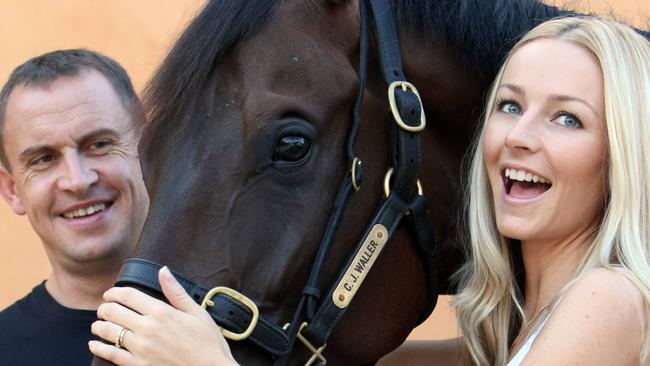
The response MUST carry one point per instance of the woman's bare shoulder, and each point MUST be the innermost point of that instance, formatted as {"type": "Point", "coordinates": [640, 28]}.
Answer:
{"type": "Point", "coordinates": [608, 289]}
{"type": "Point", "coordinates": [618, 282]}
{"type": "Point", "coordinates": [600, 320]}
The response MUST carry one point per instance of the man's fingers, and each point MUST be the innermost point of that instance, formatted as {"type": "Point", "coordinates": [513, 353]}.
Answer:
{"type": "Point", "coordinates": [175, 293]}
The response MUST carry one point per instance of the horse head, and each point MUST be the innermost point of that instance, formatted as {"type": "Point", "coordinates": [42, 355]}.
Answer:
{"type": "Point", "coordinates": [246, 148]}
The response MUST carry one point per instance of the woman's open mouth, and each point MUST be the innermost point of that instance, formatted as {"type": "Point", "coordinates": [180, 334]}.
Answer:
{"type": "Point", "coordinates": [522, 184]}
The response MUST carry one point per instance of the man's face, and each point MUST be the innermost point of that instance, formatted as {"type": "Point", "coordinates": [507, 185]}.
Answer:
{"type": "Point", "coordinates": [72, 149]}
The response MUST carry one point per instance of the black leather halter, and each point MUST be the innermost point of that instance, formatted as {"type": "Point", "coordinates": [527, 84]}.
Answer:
{"type": "Point", "coordinates": [316, 316]}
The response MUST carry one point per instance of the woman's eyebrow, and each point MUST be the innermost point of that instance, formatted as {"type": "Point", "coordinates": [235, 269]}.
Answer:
{"type": "Point", "coordinates": [570, 98]}
{"type": "Point", "coordinates": [516, 89]}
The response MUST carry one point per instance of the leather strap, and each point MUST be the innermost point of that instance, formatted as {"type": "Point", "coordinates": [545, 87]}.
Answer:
{"type": "Point", "coordinates": [227, 312]}
{"type": "Point", "coordinates": [389, 214]}
{"type": "Point", "coordinates": [427, 244]}
{"type": "Point", "coordinates": [390, 59]}
{"type": "Point", "coordinates": [405, 157]}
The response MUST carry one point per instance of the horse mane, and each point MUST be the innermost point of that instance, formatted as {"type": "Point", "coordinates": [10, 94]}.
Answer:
{"type": "Point", "coordinates": [482, 32]}
{"type": "Point", "coordinates": [180, 80]}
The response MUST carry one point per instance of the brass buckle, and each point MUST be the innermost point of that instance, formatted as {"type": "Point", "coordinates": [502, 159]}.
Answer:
{"type": "Point", "coordinates": [355, 184]}
{"type": "Point", "coordinates": [389, 173]}
{"type": "Point", "coordinates": [207, 302]}
{"type": "Point", "coordinates": [393, 106]}
{"type": "Point", "coordinates": [317, 353]}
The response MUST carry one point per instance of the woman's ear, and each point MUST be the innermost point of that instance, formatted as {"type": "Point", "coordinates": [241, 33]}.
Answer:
{"type": "Point", "coordinates": [8, 191]}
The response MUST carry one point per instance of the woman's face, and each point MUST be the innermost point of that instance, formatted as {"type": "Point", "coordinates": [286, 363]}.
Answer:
{"type": "Point", "coordinates": [545, 143]}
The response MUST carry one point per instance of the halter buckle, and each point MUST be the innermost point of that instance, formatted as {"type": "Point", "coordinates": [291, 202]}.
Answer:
{"type": "Point", "coordinates": [393, 106]}
{"type": "Point", "coordinates": [255, 313]}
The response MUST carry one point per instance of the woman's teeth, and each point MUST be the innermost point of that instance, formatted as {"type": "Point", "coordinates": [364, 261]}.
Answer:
{"type": "Point", "coordinates": [523, 176]}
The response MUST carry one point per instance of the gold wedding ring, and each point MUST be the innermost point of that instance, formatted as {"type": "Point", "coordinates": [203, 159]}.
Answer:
{"type": "Point", "coordinates": [120, 338]}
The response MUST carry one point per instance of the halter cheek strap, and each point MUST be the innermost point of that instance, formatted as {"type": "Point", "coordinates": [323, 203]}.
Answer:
{"type": "Point", "coordinates": [403, 201]}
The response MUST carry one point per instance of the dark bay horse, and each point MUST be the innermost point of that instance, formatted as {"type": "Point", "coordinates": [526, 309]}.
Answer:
{"type": "Point", "coordinates": [246, 148]}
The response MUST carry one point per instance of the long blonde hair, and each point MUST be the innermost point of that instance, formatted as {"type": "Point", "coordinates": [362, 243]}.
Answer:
{"type": "Point", "coordinates": [488, 304]}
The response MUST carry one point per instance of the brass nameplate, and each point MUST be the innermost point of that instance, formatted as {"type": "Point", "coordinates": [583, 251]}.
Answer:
{"type": "Point", "coordinates": [360, 266]}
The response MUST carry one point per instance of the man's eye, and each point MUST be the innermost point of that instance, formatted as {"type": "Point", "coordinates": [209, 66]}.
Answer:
{"type": "Point", "coordinates": [510, 107]}
{"type": "Point", "coordinates": [100, 144]}
{"type": "Point", "coordinates": [569, 120]}
{"type": "Point", "coordinates": [43, 159]}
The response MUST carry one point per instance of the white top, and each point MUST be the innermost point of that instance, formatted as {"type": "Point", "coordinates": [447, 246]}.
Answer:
{"type": "Point", "coordinates": [523, 350]}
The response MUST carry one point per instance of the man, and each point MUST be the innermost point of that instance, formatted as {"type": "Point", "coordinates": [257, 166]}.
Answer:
{"type": "Point", "coordinates": [69, 126]}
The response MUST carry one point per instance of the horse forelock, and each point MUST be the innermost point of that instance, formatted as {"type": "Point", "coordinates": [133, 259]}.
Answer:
{"type": "Point", "coordinates": [181, 79]}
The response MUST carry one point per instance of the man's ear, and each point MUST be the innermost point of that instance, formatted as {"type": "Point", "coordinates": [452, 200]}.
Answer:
{"type": "Point", "coordinates": [8, 191]}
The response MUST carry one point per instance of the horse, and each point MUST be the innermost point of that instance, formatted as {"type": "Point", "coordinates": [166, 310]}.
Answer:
{"type": "Point", "coordinates": [250, 117]}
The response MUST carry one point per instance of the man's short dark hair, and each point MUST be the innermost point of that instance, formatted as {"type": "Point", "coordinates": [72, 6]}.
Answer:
{"type": "Point", "coordinates": [43, 70]}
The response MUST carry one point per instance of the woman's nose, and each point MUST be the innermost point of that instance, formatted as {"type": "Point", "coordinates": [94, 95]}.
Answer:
{"type": "Point", "coordinates": [523, 135]}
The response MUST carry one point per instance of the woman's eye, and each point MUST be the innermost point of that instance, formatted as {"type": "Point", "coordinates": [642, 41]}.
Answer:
{"type": "Point", "coordinates": [291, 148]}
{"type": "Point", "coordinates": [510, 107]}
{"type": "Point", "coordinates": [569, 120]}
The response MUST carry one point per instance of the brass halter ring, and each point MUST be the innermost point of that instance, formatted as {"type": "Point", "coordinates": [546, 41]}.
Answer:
{"type": "Point", "coordinates": [316, 353]}
{"type": "Point", "coordinates": [389, 173]}
{"type": "Point", "coordinates": [356, 162]}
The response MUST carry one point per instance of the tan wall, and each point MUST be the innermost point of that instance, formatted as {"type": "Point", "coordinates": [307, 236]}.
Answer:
{"type": "Point", "coordinates": [137, 34]}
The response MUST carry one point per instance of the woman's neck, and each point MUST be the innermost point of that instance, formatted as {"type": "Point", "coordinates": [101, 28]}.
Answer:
{"type": "Point", "coordinates": [550, 265]}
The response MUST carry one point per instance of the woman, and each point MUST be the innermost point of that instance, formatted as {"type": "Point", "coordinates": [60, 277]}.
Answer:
{"type": "Point", "coordinates": [559, 220]}
{"type": "Point", "coordinates": [560, 206]}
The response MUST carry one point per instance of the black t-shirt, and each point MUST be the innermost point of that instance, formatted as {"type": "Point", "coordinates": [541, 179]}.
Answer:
{"type": "Point", "coordinates": [37, 330]}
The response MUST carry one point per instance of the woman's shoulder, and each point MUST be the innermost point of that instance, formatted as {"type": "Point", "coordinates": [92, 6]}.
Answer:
{"type": "Point", "coordinates": [618, 283]}
{"type": "Point", "coordinates": [600, 319]}
{"type": "Point", "coordinates": [610, 296]}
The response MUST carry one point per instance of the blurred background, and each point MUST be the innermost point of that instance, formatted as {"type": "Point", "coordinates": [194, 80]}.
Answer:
{"type": "Point", "coordinates": [138, 34]}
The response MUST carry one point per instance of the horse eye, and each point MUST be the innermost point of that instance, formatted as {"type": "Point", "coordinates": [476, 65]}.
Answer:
{"type": "Point", "coordinates": [291, 148]}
